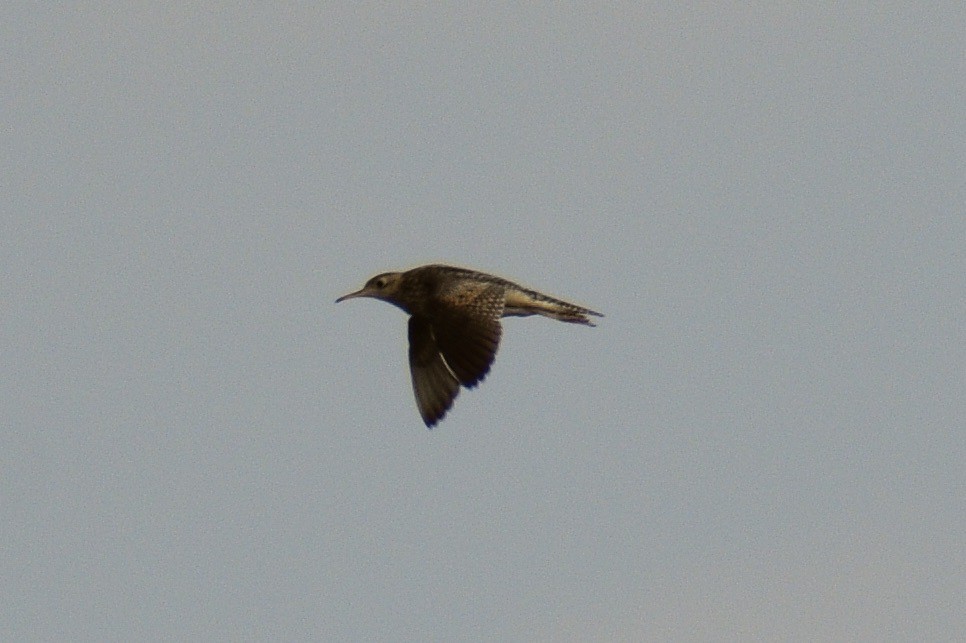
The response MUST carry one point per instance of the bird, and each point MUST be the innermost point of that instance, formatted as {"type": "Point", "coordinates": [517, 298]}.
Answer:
{"type": "Point", "coordinates": [454, 325]}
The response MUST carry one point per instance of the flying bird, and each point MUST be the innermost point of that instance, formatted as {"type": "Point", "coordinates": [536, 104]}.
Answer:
{"type": "Point", "coordinates": [454, 325]}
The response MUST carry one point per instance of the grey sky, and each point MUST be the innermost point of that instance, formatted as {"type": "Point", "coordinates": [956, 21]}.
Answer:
{"type": "Point", "coordinates": [764, 438]}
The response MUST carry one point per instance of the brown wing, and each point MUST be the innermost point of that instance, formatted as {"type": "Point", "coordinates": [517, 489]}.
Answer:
{"type": "Point", "coordinates": [434, 385]}
{"type": "Point", "coordinates": [466, 324]}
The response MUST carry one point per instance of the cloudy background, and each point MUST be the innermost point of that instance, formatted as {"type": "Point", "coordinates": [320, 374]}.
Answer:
{"type": "Point", "coordinates": [764, 437]}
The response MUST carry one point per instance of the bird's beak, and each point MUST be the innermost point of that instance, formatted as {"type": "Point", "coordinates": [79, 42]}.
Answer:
{"type": "Point", "coordinates": [353, 295]}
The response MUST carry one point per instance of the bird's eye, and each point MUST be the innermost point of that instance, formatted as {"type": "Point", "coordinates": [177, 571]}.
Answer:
{"type": "Point", "coordinates": [380, 283]}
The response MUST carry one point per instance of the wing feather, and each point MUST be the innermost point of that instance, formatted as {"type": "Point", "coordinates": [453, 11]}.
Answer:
{"type": "Point", "coordinates": [434, 384]}
{"type": "Point", "coordinates": [467, 327]}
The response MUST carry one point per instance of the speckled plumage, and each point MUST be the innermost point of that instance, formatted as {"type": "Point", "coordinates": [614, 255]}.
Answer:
{"type": "Point", "coordinates": [454, 325]}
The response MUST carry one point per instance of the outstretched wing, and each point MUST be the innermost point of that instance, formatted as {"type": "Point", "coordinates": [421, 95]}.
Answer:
{"type": "Point", "coordinates": [454, 343]}
{"type": "Point", "coordinates": [434, 384]}
{"type": "Point", "coordinates": [466, 323]}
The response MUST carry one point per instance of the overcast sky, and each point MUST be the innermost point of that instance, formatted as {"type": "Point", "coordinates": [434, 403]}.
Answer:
{"type": "Point", "coordinates": [763, 439]}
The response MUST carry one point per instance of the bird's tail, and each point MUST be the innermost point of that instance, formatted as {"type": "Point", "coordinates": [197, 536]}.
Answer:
{"type": "Point", "coordinates": [529, 302]}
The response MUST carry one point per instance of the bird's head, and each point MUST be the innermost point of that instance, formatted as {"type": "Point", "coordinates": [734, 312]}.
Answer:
{"type": "Point", "coordinates": [384, 287]}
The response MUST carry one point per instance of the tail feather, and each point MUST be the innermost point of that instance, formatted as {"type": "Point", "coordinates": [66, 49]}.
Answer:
{"type": "Point", "coordinates": [529, 302]}
{"type": "Point", "coordinates": [573, 315]}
